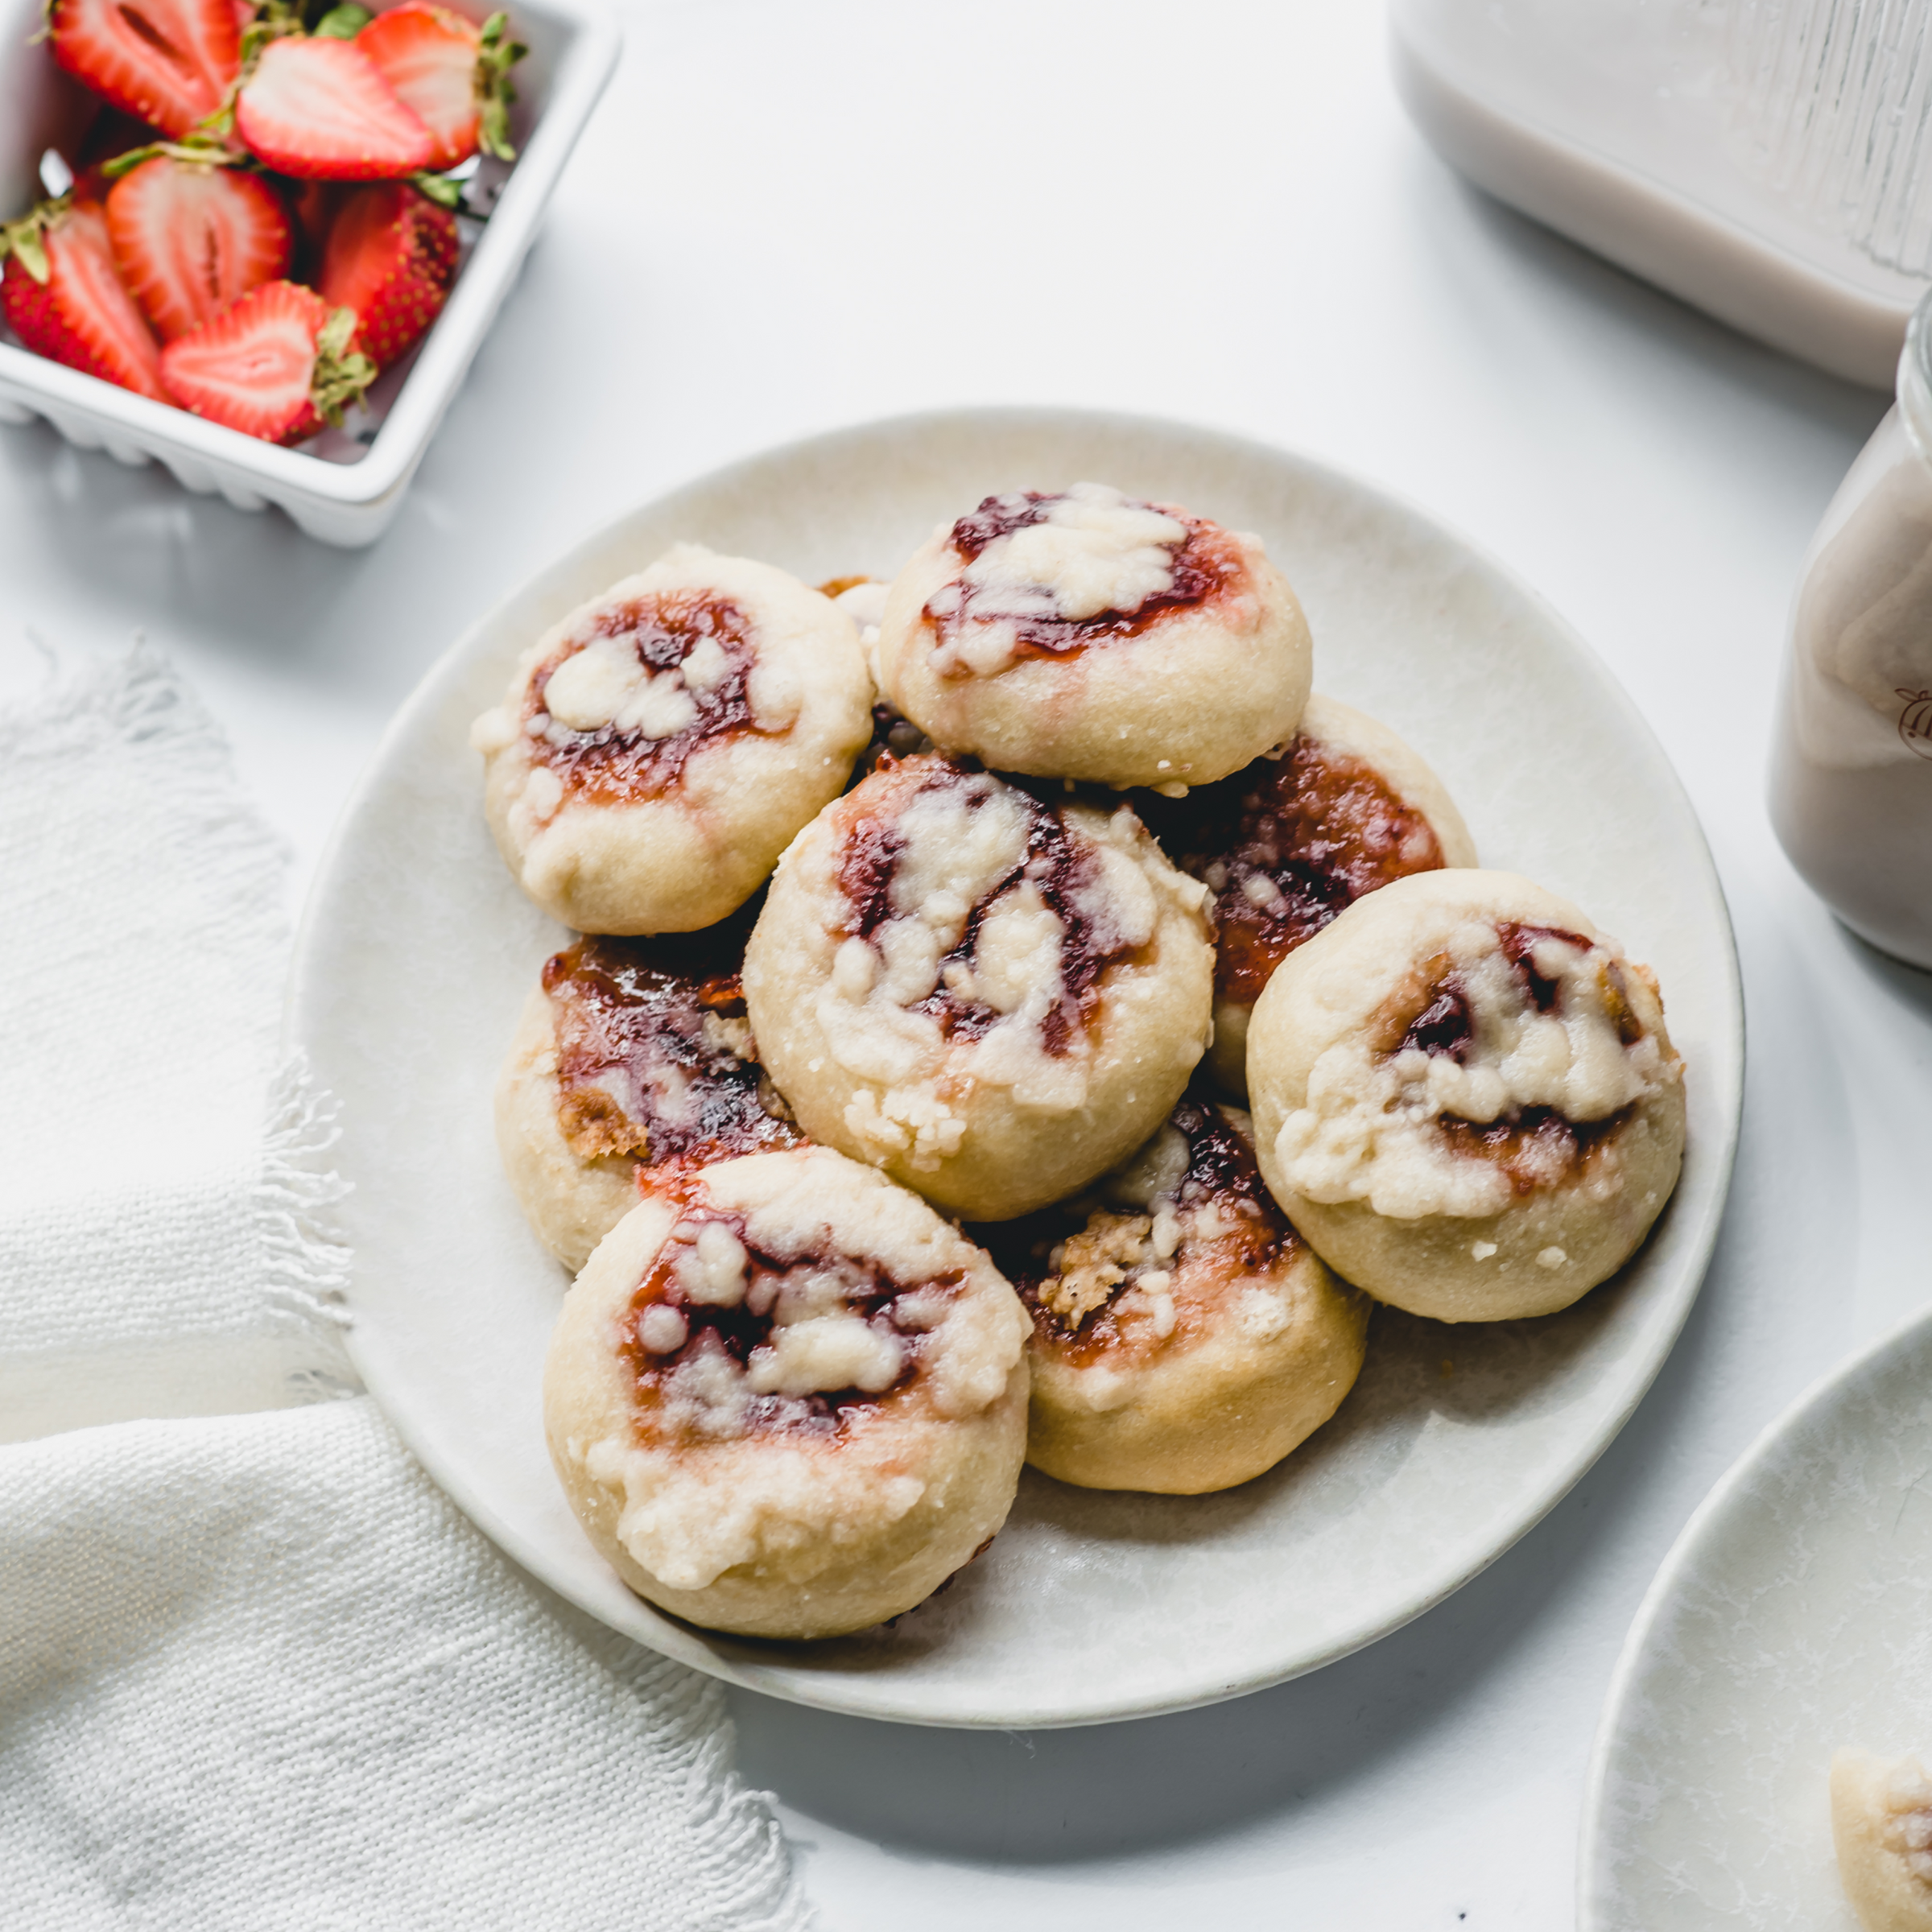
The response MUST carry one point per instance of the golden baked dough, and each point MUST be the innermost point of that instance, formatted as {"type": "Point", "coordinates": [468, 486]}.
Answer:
{"type": "Point", "coordinates": [659, 747]}
{"type": "Point", "coordinates": [1080, 633]}
{"type": "Point", "coordinates": [1881, 1825]}
{"type": "Point", "coordinates": [786, 1398]}
{"type": "Point", "coordinates": [1185, 1338]}
{"type": "Point", "coordinates": [1464, 1097]}
{"type": "Point", "coordinates": [992, 996]}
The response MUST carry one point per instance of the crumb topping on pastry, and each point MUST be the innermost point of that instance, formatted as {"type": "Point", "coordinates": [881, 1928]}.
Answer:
{"type": "Point", "coordinates": [973, 915]}
{"type": "Point", "coordinates": [1285, 847]}
{"type": "Point", "coordinates": [654, 1055]}
{"type": "Point", "coordinates": [759, 1314]}
{"type": "Point", "coordinates": [1046, 574]}
{"type": "Point", "coordinates": [1907, 1825]}
{"type": "Point", "coordinates": [1186, 1222]}
{"type": "Point", "coordinates": [616, 711]}
{"type": "Point", "coordinates": [1501, 1065]}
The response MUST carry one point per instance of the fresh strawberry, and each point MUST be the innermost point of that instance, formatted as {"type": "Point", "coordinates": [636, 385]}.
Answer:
{"type": "Point", "coordinates": [64, 300]}
{"type": "Point", "coordinates": [391, 258]}
{"type": "Point", "coordinates": [276, 366]}
{"type": "Point", "coordinates": [428, 55]}
{"type": "Point", "coordinates": [191, 239]}
{"type": "Point", "coordinates": [317, 109]}
{"type": "Point", "coordinates": [167, 62]}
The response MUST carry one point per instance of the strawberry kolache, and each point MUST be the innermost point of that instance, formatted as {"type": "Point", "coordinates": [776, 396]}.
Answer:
{"type": "Point", "coordinates": [280, 223]}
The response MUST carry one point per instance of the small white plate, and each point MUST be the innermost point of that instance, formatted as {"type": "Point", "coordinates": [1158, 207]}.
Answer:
{"type": "Point", "coordinates": [417, 951]}
{"type": "Point", "coordinates": [1790, 1619]}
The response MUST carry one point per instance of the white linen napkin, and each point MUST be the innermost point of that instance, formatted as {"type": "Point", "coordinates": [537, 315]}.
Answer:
{"type": "Point", "coordinates": [255, 1671]}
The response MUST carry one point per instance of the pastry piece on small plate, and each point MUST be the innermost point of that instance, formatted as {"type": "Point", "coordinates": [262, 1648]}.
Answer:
{"type": "Point", "coordinates": [1185, 1338]}
{"type": "Point", "coordinates": [1464, 1097]}
{"type": "Point", "coordinates": [629, 1053]}
{"type": "Point", "coordinates": [1081, 633]}
{"type": "Point", "coordinates": [785, 1398]}
{"type": "Point", "coordinates": [992, 995]}
{"type": "Point", "coordinates": [1286, 844]}
{"type": "Point", "coordinates": [659, 748]}
{"type": "Point", "coordinates": [1881, 1824]}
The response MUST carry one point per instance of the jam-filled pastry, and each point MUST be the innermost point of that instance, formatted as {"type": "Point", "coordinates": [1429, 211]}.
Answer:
{"type": "Point", "coordinates": [785, 1398]}
{"type": "Point", "coordinates": [1464, 1097]}
{"type": "Point", "coordinates": [659, 748]}
{"type": "Point", "coordinates": [1881, 1824]}
{"type": "Point", "coordinates": [992, 996]}
{"type": "Point", "coordinates": [1185, 1337]}
{"type": "Point", "coordinates": [1081, 633]}
{"type": "Point", "coordinates": [1284, 845]}
{"type": "Point", "coordinates": [629, 1052]}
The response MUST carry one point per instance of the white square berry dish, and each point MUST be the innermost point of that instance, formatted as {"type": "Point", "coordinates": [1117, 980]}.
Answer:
{"type": "Point", "coordinates": [345, 485]}
{"type": "Point", "coordinates": [419, 948]}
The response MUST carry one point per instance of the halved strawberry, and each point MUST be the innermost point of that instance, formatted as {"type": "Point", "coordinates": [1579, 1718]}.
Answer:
{"type": "Point", "coordinates": [318, 109]}
{"type": "Point", "coordinates": [391, 256]}
{"type": "Point", "coordinates": [277, 365]}
{"type": "Point", "coordinates": [62, 296]}
{"type": "Point", "coordinates": [191, 239]}
{"type": "Point", "coordinates": [167, 62]}
{"type": "Point", "coordinates": [428, 55]}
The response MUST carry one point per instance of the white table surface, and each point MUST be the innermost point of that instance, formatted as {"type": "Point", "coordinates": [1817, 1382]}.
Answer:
{"type": "Point", "coordinates": [786, 218]}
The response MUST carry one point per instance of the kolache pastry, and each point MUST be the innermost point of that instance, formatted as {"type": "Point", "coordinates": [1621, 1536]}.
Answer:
{"type": "Point", "coordinates": [992, 995]}
{"type": "Point", "coordinates": [1881, 1826]}
{"type": "Point", "coordinates": [659, 748]}
{"type": "Point", "coordinates": [1081, 633]}
{"type": "Point", "coordinates": [629, 1052]}
{"type": "Point", "coordinates": [1185, 1337]}
{"type": "Point", "coordinates": [785, 1398]}
{"type": "Point", "coordinates": [1464, 1097]}
{"type": "Point", "coordinates": [1284, 845]}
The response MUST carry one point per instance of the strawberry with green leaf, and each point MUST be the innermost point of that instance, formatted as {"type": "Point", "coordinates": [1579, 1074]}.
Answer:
{"type": "Point", "coordinates": [277, 365]}
{"type": "Point", "coordinates": [63, 298]}
{"type": "Point", "coordinates": [453, 74]}
{"type": "Point", "coordinates": [391, 257]}
{"type": "Point", "coordinates": [316, 108]}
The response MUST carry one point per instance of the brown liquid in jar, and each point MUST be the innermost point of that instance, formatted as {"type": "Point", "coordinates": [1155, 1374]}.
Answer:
{"type": "Point", "coordinates": [645, 1066]}
{"type": "Point", "coordinates": [614, 767]}
{"type": "Point", "coordinates": [1320, 829]}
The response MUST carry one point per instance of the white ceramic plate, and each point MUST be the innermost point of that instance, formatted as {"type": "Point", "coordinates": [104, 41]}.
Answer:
{"type": "Point", "coordinates": [1790, 1619]}
{"type": "Point", "coordinates": [418, 952]}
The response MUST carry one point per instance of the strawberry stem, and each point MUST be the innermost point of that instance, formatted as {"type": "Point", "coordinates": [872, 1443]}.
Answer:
{"type": "Point", "coordinates": [201, 150]}
{"type": "Point", "coordinates": [341, 373]}
{"type": "Point", "coordinates": [26, 239]}
{"type": "Point", "coordinates": [496, 55]}
{"type": "Point", "coordinates": [342, 23]}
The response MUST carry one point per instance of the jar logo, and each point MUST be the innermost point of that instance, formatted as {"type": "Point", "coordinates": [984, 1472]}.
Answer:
{"type": "Point", "coordinates": [1915, 722]}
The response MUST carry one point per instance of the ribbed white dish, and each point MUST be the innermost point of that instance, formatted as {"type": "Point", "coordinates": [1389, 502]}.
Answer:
{"type": "Point", "coordinates": [573, 47]}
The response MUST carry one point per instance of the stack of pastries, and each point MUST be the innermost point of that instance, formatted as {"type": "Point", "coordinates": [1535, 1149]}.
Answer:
{"type": "Point", "coordinates": [1014, 1021]}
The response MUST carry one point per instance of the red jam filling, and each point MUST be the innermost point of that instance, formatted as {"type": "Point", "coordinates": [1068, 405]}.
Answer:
{"type": "Point", "coordinates": [1203, 565]}
{"type": "Point", "coordinates": [646, 1065]}
{"type": "Point", "coordinates": [1285, 847]}
{"type": "Point", "coordinates": [1062, 874]}
{"type": "Point", "coordinates": [1221, 1172]}
{"type": "Point", "coordinates": [870, 1292]}
{"type": "Point", "coordinates": [616, 767]}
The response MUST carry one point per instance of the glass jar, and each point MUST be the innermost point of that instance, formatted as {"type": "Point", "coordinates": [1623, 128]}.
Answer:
{"type": "Point", "coordinates": [1851, 762]}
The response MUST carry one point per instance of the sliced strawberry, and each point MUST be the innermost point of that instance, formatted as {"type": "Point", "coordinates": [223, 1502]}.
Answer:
{"type": "Point", "coordinates": [428, 55]}
{"type": "Point", "coordinates": [274, 365]}
{"type": "Point", "coordinates": [391, 258]}
{"type": "Point", "coordinates": [190, 239]}
{"type": "Point", "coordinates": [318, 109]}
{"type": "Point", "coordinates": [64, 300]}
{"type": "Point", "coordinates": [167, 62]}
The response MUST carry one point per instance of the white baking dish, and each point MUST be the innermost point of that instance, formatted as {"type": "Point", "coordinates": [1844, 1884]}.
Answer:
{"type": "Point", "coordinates": [344, 488]}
